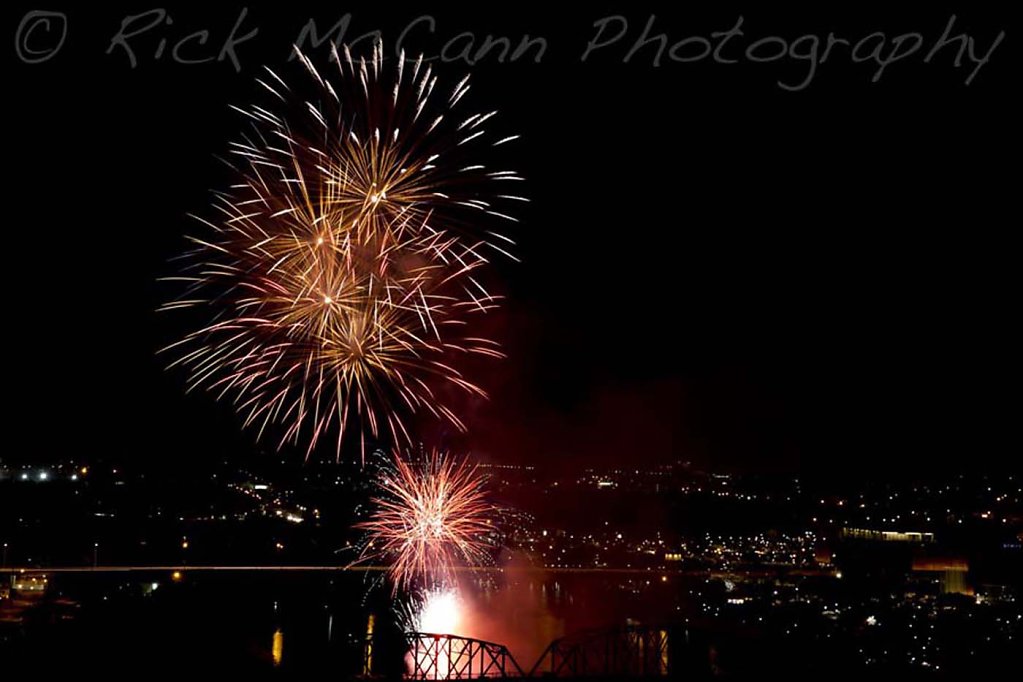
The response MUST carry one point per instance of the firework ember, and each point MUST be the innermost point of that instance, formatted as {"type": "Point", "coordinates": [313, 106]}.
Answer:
{"type": "Point", "coordinates": [339, 273]}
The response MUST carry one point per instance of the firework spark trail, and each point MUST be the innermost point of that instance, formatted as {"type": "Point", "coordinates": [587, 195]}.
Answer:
{"type": "Point", "coordinates": [343, 264]}
{"type": "Point", "coordinates": [428, 517]}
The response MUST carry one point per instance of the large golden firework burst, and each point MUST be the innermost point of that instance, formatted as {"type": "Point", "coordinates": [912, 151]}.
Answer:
{"type": "Point", "coordinates": [341, 267]}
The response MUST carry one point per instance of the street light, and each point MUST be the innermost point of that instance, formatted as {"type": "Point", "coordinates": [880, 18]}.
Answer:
{"type": "Point", "coordinates": [95, 555]}
{"type": "Point", "coordinates": [4, 565]}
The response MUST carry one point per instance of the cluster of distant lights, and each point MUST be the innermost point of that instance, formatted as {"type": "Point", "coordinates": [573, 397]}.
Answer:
{"type": "Point", "coordinates": [274, 504]}
{"type": "Point", "coordinates": [791, 549]}
{"type": "Point", "coordinates": [875, 507]}
{"type": "Point", "coordinates": [920, 649]}
{"type": "Point", "coordinates": [44, 475]}
{"type": "Point", "coordinates": [923, 645]}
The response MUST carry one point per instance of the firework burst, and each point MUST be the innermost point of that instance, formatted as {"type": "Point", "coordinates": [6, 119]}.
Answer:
{"type": "Point", "coordinates": [403, 149]}
{"type": "Point", "coordinates": [342, 266]}
{"type": "Point", "coordinates": [428, 517]}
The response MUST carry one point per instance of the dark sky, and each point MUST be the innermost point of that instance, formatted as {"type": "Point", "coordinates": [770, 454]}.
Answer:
{"type": "Point", "coordinates": [714, 269]}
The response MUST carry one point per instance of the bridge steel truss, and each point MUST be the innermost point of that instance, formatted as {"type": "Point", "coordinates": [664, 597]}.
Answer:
{"type": "Point", "coordinates": [446, 657]}
{"type": "Point", "coordinates": [631, 651]}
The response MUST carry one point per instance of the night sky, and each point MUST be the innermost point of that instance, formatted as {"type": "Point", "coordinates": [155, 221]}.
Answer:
{"type": "Point", "coordinates": [714, 269]}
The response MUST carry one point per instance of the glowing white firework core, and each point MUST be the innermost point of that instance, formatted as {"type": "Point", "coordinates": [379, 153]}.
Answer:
{"type": "Point", "coordinates": [441, 613]}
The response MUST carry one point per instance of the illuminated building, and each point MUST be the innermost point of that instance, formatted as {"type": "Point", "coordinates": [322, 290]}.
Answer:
{"type": "Point", "coordinates": [29, 583]}
{"type": "Point", "coordinates": [953, 573]}
{"type": "Point", "coordinates": [887, 535]}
